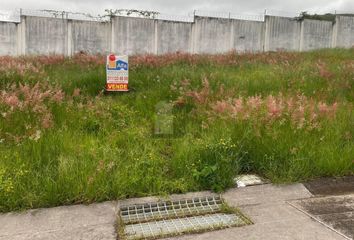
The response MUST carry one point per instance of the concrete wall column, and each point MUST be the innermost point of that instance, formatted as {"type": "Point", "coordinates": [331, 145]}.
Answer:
{"type": "Point", "coordinates": [335, 32]}
{"type": "Point", "coordinates": [232, 36]}
{"type": "Point", "coordinates": [69, 39]}
{"type": "Point", "coordinates": [21, 37]}
{"type": "Point", "coordinates": [112, 35]}
{"type": "Point", "coordinates": [191, 39]}
{"type": "Point", "coordinates": [263, 36]}
{"type": "Point", "coordinates": [194, 38]}
{"type": "Point", "coordinates": [301, 44]}
{"type": "Point", "coordinates": [266, 34]}
{"type": "Point", "coordinates": [156, 38]}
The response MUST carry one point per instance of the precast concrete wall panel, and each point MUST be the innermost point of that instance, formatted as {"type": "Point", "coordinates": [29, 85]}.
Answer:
{"type": "Point", "coordinates": [212, 35]}
{"type": "Point", "coordinates": [133, 35]}
{"type": "Point", "coordinates": [91, 37]}
{"type": "Point", "coordinates": [248, 36]}
{"type": "Point", "coordinates": [8, 38]}
{"type": "Point", "coordinates": [173, 37]}
{"type": "Point", "coordinates": [282, 34]}
{"type": "Point", "coordinates": [46, 36]}
{"type": "Point", "coordinates": [316, 34]}
{"type": "Point", "coordinates": [345, 31]}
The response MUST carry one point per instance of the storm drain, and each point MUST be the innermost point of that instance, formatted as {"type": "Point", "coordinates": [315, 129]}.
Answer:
{"type": "Point", "coordinates": [166, 210]}
{"type": "Point", "coordinates": [171, 218]}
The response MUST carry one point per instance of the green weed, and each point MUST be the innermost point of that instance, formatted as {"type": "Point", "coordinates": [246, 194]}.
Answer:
{"type": "Point", "coordinates": [286, 116]}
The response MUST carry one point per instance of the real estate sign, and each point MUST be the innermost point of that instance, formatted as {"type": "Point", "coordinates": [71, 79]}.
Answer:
{"type": "Point", "coordinates": [117, 73]}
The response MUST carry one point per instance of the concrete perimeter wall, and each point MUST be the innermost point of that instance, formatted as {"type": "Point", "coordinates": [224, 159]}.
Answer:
{"type": "Point", "coordinates": [316, 34]}
{"type": "Point", "coordinates": [46, 35]}
{"type": "Point", "coordinates": [344, 31]}
{"type": "Point", "coordinates": [129, 35]}
{"type": "Point", "coordinates": [90, 37]}
{"type": "Point", "coordinates": [212, 35]}
{"type": "Point", "coordinates": [173, 37]}
{"type": "Point", "coordinates": [247, 36]}
{"type": "Point", "coordinates": [8, 38]}
{"type": "Point", "coordinates": [282, 34]}
{"type": "Point", "coordinates": [133, 35]}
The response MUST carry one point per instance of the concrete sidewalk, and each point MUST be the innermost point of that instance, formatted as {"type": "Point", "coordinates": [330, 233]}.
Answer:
{"type": "Point", "coordinates": [266, 205]}
{"type": "Point", "coordinates": [274, 219]}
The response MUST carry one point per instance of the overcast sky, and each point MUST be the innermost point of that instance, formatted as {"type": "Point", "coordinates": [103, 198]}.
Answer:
{"type": "Point", "coordinates": [183, 7]}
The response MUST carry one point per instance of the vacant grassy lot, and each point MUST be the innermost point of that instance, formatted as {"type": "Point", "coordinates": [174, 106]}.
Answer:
{"type": "Point", "coordinates": [189, 123]}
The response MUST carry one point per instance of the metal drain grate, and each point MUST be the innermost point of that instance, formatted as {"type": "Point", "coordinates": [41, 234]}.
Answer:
{"type": "Point", "coordinates": [171, 218]}
{"type": "Point", "coordinates": [164, 210]}
{"type": "Point", "coordinates": [173, 227]}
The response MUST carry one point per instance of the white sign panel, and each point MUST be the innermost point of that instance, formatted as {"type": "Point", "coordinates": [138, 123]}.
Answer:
{"type": "Point", "coordinates": [117, 73]}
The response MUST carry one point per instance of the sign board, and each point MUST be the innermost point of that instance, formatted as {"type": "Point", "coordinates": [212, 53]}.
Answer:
{"type": "Point", "coordinates": [117, 70]}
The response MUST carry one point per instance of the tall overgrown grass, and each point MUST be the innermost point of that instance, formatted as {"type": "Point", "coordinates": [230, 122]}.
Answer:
{"type": "Point", "coordinates": [286, 116]}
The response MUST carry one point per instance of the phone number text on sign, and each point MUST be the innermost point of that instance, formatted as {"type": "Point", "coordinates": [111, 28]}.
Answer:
{"type": "Point", "coordinates": [117, 70]}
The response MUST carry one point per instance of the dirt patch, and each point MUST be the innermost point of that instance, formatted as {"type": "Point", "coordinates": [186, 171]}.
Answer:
{"type": "Point", "coordinates": [329, 205]}
{"type": "Point", "coordinates": [336, 212]}
{"type": "Point", "coordinates": [331, 186]}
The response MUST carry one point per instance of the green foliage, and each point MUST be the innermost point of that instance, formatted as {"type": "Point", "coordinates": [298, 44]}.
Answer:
{"type": "Point", "coordinates": [128, 12]}
{"type": "Point", "coordinates": [80, 146]}
{"type": "Point", "coordinates": [324, 17]}
{"type": "Point", "coordinates": [216, 164]}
